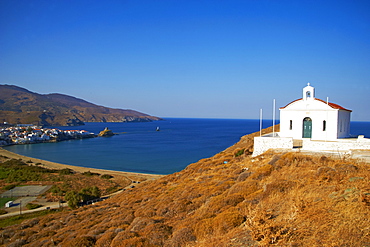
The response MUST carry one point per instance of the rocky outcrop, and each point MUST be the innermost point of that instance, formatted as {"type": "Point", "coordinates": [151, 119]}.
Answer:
{"type": "Point", "coordinates": [106, 132]}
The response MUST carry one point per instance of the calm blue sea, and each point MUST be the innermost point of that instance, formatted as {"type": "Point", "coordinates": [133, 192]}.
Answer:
{"type": "Point", "coordinates": [140, 148]}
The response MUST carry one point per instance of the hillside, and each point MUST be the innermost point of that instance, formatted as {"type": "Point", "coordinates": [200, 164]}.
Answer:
{"type": "Point", "coordinates": [230, 199]}
{"type": "Point", "coordinates": [18, 105]}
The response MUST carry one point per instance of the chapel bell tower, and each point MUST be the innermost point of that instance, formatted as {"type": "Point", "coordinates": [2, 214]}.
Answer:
{"type": "Point", "coordinates": [308, 92]}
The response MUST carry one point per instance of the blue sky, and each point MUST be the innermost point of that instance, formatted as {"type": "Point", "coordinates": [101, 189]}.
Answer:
{"type": "Point", "coordinates": [207, 59]}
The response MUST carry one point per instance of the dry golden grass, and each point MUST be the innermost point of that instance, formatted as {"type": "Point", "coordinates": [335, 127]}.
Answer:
{"type": "Point", "coordinates": [276, 199]}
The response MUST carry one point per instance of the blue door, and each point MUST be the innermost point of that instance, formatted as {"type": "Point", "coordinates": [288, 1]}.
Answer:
{"type": "Point", "coordinates": [307, 128]}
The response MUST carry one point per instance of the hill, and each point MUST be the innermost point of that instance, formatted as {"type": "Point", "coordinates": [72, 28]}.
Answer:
{"type": "Point", "coordinates": [230, 199]}
{"type": "Point", "coordinates": [18, 105]}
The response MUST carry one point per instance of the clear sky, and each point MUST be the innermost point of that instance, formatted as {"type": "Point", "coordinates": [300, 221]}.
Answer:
{"type": "Point", "coordinates": [207, 59]}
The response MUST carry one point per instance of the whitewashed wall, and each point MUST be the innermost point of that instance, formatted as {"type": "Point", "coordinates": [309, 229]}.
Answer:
{"type": "Point", "coordinates": [263, 143]}
{"type": "Point", "coordinates": [339, 145]}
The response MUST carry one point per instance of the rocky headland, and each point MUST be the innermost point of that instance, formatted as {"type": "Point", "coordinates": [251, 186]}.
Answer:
{"type": "Point", "coordinates": [21, 106]}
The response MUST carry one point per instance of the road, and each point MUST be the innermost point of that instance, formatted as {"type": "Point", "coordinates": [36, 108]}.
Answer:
{"type": "Point", "coordinates": [15, 210]}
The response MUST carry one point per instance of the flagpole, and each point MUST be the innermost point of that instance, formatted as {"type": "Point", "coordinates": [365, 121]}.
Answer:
{"type": "Point", "coordinates": [273, 119]}
{"type": "Point", "coordinates": [260, 122]}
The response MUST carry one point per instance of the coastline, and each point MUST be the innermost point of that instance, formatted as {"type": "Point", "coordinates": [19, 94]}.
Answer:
{"type": "Point", "coordinates": [54, 165]}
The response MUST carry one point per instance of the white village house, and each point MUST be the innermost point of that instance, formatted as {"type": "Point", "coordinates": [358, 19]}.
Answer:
{"type": "Point", "coordinates": [312, 124]}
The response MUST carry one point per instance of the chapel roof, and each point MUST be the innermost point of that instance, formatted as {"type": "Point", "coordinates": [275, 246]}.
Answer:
{"type": "Point", "coordinates": [332, 105]}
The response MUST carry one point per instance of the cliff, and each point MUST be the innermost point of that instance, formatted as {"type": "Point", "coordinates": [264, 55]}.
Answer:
{"type": "Point", "coordinates": [18, 105]}
{"type": "Point", "coordinates": [230, 199]}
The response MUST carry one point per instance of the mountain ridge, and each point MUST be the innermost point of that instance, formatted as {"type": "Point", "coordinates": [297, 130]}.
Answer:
{"type": "Point", "coordinates": [21, 106]}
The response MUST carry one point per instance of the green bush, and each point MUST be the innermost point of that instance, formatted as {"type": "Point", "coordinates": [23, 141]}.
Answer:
{"type": "Point", "coordinates": [17, 171]}
{"type": "Point", "coordinates": [90, 174]}
{"type": "Point", "coordinates": [90, 193]}
{"type": "Point", "coordinates": [32, 206]}
{"type": "Point", "coordinates": [239, 152]}
{"type": "Point", "coordinates": [66, 171]}
{"type": "Point", "coordinates": [9, 187]}
{"type": "Point", "coordinates": [86, 194]}
{"type": "Point", "coordinates": [57, 191]}
{"type": "Point", "coordinates": [73, 199]}
{"type": "Point", "coordinates": [112, 189]}
{"type": "Point", "coordinates": [106, 176]}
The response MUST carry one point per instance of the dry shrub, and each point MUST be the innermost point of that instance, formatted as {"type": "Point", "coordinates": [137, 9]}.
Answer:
{"type": "Point", "coordinates": [127, 216]}
{"type": "Point", "coordinates": [220, 159]}
{"type": "Point", "coordinates": [18, 243]}
{"type": "Point", "coordinates": [263, 225]}
{"type": "Point", "coordinates": [105, 240]}
{"type": "Point", "coordinates": [157, 234]}
{"type": "Point", "coordinates": [145, 212]}
{"type": "Point", "coordinates": [122, 236]}
{"type": "Point", "coordinates": [244, 188]}
{"type": "Point", "coordinates": [365, 198]}
{"type": "Point", "coordinates": [345, 168]}
{"type": "Point", "coordinates": [262, 171]}
{"type": "Point", "coordinates": [327, 173]}
{"type": "Point", "coordinates": [308, 214]}
{"type": "Point", "coordinates": [84, 241]}
{"type": "Point", "coordinates": [204, 228]}
{"type": "Point", "coordinates": [232, 200]}
{"type": "Point", "coordinates": [292, 158]}
{"type": "Point", "coordinates": [174, 208]}
{"type": "Point", "coordinates": [278, 186]}
{"type": "Point", "coordinates": [139, 223]}
{"type": "Point", "coordinates": [243, 176]}
{"type": "Point", "coordinates": [134, 242]}
{"type": "Point", "coordinates": [182, 237]}
{"type": "Point", "coordinates": [182, 205]}
{"type": "Point", "coordinates": [227, 220]}
{"type": "Point", "coordinates": [223, 186]}
{"type": "Point", "coordinates": [324, 160]}
{"type": "Point", "coordinates": [222, 202]}
{"type": "Point", "coordinates": [238, 236]}
{"type": "Point", "coordinates": [222, 223]}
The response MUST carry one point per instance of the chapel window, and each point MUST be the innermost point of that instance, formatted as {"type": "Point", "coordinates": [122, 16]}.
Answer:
{"type": "Point", "coordinates": [291, 125]}
{"type": "Point", "coordinates": [324, 125]}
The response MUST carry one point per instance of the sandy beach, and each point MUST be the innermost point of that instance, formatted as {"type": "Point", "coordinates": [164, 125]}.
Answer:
{"type": "Point", "coordinates": [54, 165]}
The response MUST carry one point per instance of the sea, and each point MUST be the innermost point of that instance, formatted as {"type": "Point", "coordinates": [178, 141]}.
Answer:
{"type": "Point", "coordinates": [139, 147]}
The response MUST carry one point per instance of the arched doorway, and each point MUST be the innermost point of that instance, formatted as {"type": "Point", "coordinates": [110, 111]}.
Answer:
{"type": "Point", "coordinates": [307, 128]}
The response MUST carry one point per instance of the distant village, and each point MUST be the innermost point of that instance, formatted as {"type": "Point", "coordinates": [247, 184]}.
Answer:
{"type": "Point", "coordinates": [28, 134]}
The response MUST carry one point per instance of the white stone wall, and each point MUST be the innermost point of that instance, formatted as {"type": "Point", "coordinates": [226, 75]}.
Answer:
{"type": "Point", "coordinates": [264, 143]}
{"type": "Point", "coordinates": [339, 145]}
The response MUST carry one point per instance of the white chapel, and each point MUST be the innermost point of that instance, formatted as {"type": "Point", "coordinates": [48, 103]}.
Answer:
{"type": "Point", "coordinates": [314, 118]}
{"type": "Point", "coordinates": [311, 124]}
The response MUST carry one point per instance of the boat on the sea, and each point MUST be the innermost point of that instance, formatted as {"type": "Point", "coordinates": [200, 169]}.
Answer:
{"type": "Point", "coordinates": [157, 129]}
